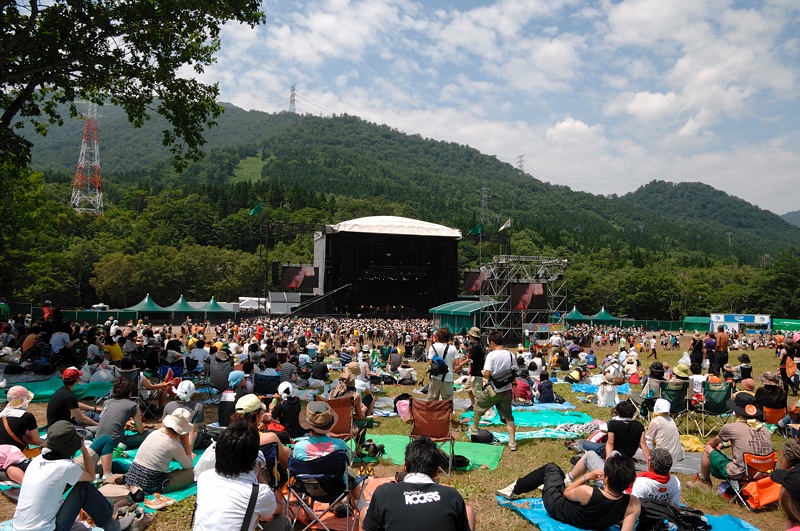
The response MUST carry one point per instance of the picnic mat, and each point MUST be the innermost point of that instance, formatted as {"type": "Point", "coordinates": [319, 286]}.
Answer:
{"type": "Point", "coordinates": [544, 433]}
{"type": "Point", "coordinates": [43, 391]}
{"type": "Point", "coordinates": [479, 455]}
{"type": "Point", "coordinates": [533, 419]}
{"type": "Point", "coordinates": [533, 510]}
{"type": "Point", "coordinates": [590, 389]}
{"type": "Point", "coordinates": [544, 407]}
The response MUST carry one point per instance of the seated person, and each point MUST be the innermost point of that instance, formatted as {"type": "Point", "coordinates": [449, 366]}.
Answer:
{"type": "Point", "coordinates": [657, 483]}
{"type": "Point", "coordinates": [744, 370]}
{"type": "Point", "coordinates": [286, 408]}
{"type": "Point", "coordinates": [771, 394]}
{"type": "Point", "coordinates": [223, 494]}
{"type": "Point", "coordinates": [19, 430]}
{"type": "Point", "coordinates": [662, 432]}
{"type": "Point", "coordinates": [746, 434]}
{"type": "Point", "coordinates": [174, 440]}
{"type": "Point", "coordinates": [544, 391]}
{"type": "Point", "coordinates": [789, 500]}
{"type": "Point", "coordinates": [317, 420]}
{"type": "Point", "coordinates": [227, 400]}
{"type": "Point", "coordinates": [624, 436]}
{"type": "Point", "coordinates": [319, 369]}
{"type": "Point", "coordinates": [49, 475]}
{"type": "Point", "coordinates": [395, 360]}
{"type": "Point", "coordinates": [521, 393]}
{"type": "Point", "coordinates": [579, 504]}
{"type": "Point", "coordinates": [361, 409]}
{"type": "Point", "coordinates": [251, 409]}
{"type": "Point", "coordinates": [64, 406]}
{"type": "Point", "coordinates": [790, 457]}
{"type": "Point", "coordinates": [145, 385]}
{"type": "Point", "coordinates": [748, 385]}
{"type": "Point", "coordinates": [117, 413]}
{"type": "Point", "coordinates": [184, 392]}
{"type": "Point", "coordinates": [444, 508]}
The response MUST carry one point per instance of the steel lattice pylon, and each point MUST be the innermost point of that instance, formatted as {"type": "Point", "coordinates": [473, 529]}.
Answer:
{"type": "Point", "coordinates": [506, 270]}
{"type": "Point", "coordinates": [87, 188]}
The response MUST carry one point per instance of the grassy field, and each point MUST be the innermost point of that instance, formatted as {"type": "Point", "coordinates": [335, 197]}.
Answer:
{"type": "Point", "coordinates": [248, 169]}
{"type": "Point", "coordinates": [478, 486]}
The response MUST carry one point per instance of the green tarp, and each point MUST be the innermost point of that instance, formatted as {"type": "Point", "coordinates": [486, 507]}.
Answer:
{"type": "Point", "coordinates": [479, 455]}
{"type": "Point", "coordinates": [786, 324]}
{"type": "Point", "coordinates": [43, 390]}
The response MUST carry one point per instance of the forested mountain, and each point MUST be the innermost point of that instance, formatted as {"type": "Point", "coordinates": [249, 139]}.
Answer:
{"type": "Point", "coordinates": [792, 217]}
{"type": "Point", "coordinates": [663, 251]}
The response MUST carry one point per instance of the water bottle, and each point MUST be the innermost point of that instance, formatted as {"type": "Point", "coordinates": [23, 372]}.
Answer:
{"type": "Point", "coordinates": [119, 451]}
{"type": "Point", "coordinates": [97, 481]}
{"type": "Point", "coordinates": [670, 526]}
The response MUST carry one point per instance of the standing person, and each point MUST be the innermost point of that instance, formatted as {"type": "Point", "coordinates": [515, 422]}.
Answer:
{"type": "Point", "coordinates": [720, 351]}
{"type": "Point", "coordinates": [787, 354]}
{"type": "Point", "coordinates": [476, 355]}
{"type": "Point", "coordinates": [696, 349]}
{"type": "Point", "coordinates": [418, 499]}
{"type": "Point", "coordinates": [48, 476]}
{"type": "Point", "coordinates": [499, 372]}
{"type": "Point", "coordinates": [441, 386]}
{"type": "Point", "coordinates": [653, 347]}
{"type": "Point", "coordinates": [226, 493]}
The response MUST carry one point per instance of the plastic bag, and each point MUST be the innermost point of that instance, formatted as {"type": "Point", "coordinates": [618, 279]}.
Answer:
{"type": "Point", "coordinates": [102, 375]}
{"type": "Point", "coordinates": [86, 373]}
{"type": "Point", "coordinates": [207, 461]}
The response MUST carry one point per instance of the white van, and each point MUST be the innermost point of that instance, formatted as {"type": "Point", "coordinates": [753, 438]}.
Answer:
{"type": "Point", "coordinates": [100, 307]}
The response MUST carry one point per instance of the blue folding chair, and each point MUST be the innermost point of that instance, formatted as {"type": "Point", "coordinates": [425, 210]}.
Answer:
{"type": "Point", "coordinates": [323, 480]}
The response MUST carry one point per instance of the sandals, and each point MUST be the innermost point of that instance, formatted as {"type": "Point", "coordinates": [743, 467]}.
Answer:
{"type": "Point", "coordinates": [159, 502]}
{"type": "Point", "coordinates": [512, 447]}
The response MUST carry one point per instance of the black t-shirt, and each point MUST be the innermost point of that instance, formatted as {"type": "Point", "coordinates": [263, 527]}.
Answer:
{"type": "Point", "coordinates": [627, 435]}
{"type": "Point", "coordinates": [319, 370]}
{"type": "Point", "coordinates": [61, 405]}
{"type": "Point", "coordinates": [477, 355]}
{"type": "Point", "coordinates": [288, 413]}
{"type": "Point", "coordinates": [19, 426]}
{"type": "Point", "coordinates": [563, 363]}
{"type": "Point", "coordinates": [412, 506]}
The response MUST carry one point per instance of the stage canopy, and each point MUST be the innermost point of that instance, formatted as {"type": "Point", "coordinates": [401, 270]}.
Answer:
{"type": "Point", "coordinates": [146, 306]}
{"type": "Point", "coordinates": [603, 317]}
{"type": "Point", "coordinates": [396, 226]}
{"type": "Point", "coordinates": [575, 315]}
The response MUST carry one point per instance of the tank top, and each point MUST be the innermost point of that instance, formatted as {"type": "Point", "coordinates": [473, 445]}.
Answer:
{"type": "Point", "coordinates": [599, 513]}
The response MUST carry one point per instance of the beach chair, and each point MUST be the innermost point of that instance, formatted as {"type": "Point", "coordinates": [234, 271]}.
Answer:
{"type": "Point", "coordinates": [757, 469]}
{"type": "Point", "coordinates": [434, 419]}
{"type": "Point", "coordinates": [324, 480]}
{"type": "Point", "coordinates": [711, 414]}
{"type": "Point", "coordinates": [344, 429]}
{"type": "Point", "coordinates": [676, 392]}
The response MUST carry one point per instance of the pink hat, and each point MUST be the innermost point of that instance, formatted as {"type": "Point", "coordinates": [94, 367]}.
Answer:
{"type": "Point", "coordinates": [18, 397]}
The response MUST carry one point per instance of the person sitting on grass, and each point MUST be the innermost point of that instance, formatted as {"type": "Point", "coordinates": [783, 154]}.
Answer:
{"type": "Point", "coordinates": [657, 483]}
{"type": "Point", "coordinates": [747, 434]}
{"type": "Point", "coordinates": [625, 435]}
{"type": "Point", "coordinates": [19, 430]}
{"type": "Point", "coordinates": [418, 501]}
{"type": "Point", "coordinates": [789, 500]}
{"type": "Point", "coordinates": [582, 505]}
{"type": "Point", "coordinates": [544, 391]}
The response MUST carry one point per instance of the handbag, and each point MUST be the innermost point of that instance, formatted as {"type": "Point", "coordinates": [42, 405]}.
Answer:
{"type": "Point", "coordinates": [506, 377]}
{"type": "Point", "coordinates": [27, 450]}
{"type": "Point", "coordinates": [762, 492]}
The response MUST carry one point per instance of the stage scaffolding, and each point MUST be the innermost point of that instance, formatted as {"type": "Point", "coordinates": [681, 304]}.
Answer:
{"type": "Point", "coordinates": [505, 270]}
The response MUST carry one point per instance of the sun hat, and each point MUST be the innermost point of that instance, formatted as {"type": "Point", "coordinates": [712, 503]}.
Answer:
{"type": "Point", "coordinates": [748, 384]}
{"type": "Point", "coordinates": [18, 397]}
{"type": "Point", "coordinates": [365, 348]}
{"type": "Point", "coordinates": [744, 358]}
{"type": "Point", "coordinates": [285, 389]}
{"type": "Point", "coordinates": [743, 404]}
{"type": "Point", "coordinates": [222, 355]}
{"type": "Point", "coordinates": [71, 374]}
{"type": "Point", "coordinates": [353, 368]}
{"type": "Point", "coordinates": [179, 420]}
{"type": "Point", "coordinates": [789, 480]}
{"type": "Point", "coordinates": [185, 390]}
{"type": "Point", "coordinates": [318, 416]}
{"type": "Point", "coordinates": [661, 406]}
{"type": "Point", "coordinates": [235, 378]}
{"type": "Point", "coordinates": [249, 403]}
{"type": "Point", "coordinates": [681, 370]}
{"type": "Point", "coordinates": [770, 378]}
{"type": "Point", "coordinates": [474, 332]}
{"type": "Point", "coordinates": [63, 439]}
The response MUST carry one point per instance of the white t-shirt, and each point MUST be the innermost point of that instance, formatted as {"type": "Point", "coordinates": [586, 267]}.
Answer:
{"type": "Point", "coordinates": [646, 488]}
{"type": "Point", "coordinates": [697, 383]}
{"type": "Point", "coordinates": [452, 354]}
{"type": "Point", "coordinates": [663, 433]}
{"type": "Point", "coordinates": [200, 354]}
{"type": "Point", "coordinates": [42, 490]}
{"type": "Point", "coordinates": [222, 502]}
{"type": "Point", "coordinates": [498, 361]}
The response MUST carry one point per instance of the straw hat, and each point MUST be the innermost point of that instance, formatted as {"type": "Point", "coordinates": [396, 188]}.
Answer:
{"type": "Point", "coordinates": [318, 416]}
{"type": "Point", "coordinates": [770, 378]}
{"type": "Point", "coordinates": [474, 332]}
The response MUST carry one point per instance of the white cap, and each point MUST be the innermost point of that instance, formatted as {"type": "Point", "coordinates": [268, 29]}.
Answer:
{"type": "Point", "coordinates": [661, 406]}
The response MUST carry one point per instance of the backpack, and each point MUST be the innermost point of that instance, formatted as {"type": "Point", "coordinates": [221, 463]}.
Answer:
{"type": "Point", "coordinates": [656, 515]}
{"type": "Point", "coordinates": [484, 437]}
{"type": "Point", "coordinates": [439, 366]}
{"type": "Point", "coordinates": [459, 461]}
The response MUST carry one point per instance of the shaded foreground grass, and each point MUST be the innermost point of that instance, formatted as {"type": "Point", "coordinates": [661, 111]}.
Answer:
{"type": "Point", "coordinates": [478, 486]}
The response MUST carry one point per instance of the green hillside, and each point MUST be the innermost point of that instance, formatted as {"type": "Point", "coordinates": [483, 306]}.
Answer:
{"type": "Point", "coordinates": [792, 217]}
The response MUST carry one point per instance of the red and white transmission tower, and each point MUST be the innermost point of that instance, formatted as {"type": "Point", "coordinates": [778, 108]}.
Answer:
{"type": "Point", "coordinates": [87, 188]}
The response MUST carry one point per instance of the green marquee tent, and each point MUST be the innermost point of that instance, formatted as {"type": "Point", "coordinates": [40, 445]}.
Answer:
{"type": "Point", "coordinates": [603, 317]}
{"type": "Point", "coordinates": [458, 316]}
{"type": "Point", "coordinates": [182, 307]}
{"type": "Point", "coordinates": [786, 324]}
{"type": "Point", "coordinates": [213, 306]}
{"type": "Point", "coordinates": [575, 316]}
{"type": "Point", "coordinates": [697, 322]}
{"type": "Point", "coordinates": [147, 306]}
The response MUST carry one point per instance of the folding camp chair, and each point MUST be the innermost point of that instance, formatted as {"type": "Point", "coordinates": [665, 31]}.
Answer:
{"type": "Point", "coordinates": [145, 403]}
{"type": "Point", "coordinates": [216, 380]}
{"type": "Point", "coordinates": [434, 418]}
{"type": "Point", "coordinates": [756, 467]}
{"type": "Point", "coordinates": [713, 412]}
{"type": "Point", "coordinates": [773, 415]}
{"type": "Point", "coordinates": [676, 392]}
{"type": "Point", "coordinates": [323, 480]}
{"type": "Point", "coordinates": [646, 399]}
{"type": "Point", "coordinates": [264, 385]}
{"type": "Point", "coordinates": [345, 428]}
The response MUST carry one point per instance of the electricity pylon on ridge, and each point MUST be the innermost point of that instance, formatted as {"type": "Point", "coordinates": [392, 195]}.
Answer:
{"type": "Point", "coordinates": [87, 188]}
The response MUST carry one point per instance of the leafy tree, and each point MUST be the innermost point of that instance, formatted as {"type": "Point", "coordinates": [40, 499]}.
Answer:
{"type": "Point", "coordinates": [128, 53]}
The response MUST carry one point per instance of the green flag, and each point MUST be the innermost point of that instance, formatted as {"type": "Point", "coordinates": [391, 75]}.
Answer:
{"type": "Point", "coordinates": [476, 230]}
{"type": "Point", "coordinates": [257, 209]}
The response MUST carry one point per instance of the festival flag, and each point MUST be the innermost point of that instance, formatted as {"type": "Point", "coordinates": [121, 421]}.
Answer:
{"type": "Point", "coordinates": [506, 225]}
{"type": "Point", "coordinates": [476, 230]}
{"type": "Point", "coordinates": [257, 209]}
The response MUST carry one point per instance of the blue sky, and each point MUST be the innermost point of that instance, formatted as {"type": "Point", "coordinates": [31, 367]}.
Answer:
{"type": "Point", "coordinates": [601, 96]}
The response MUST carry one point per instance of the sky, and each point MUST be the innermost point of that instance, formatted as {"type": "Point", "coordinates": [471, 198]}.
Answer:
{"type": "Point", "coordinates": [601, 96]}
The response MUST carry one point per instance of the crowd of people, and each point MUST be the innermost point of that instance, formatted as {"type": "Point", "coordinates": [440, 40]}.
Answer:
{"type": "Point", "coordinates": [252, 450]}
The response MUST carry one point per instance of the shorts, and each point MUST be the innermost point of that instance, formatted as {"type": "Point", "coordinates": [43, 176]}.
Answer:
{"type": "Point", "coordinates": [593, 461]}
{"type": "Point", "coordinates": [719, 464]}
{"type": "Point", "coordinates": [476, 384]}
{"type": "Point", "coordinates": [502, 401]}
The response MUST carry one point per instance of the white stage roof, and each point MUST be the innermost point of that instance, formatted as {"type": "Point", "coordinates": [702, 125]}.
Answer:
{"type": "Point", "coordinates": [395, 225]}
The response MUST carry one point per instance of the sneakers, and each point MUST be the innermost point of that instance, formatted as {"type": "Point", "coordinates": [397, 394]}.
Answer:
{"type": "Point", "coordinates": [472, 430]}
{"type": "Point", "coordinates": [512, 447]}
{"type": "Point", "coordinates": [699, 482]}
{"type": "Point", "coordinates": [508, 492]}
{"type": "Point", "coordinates": [568, 480]}
{"type": "Point", "coordinates": [126, 520]}
{"type": "Point", "coordinates": [141, 521]}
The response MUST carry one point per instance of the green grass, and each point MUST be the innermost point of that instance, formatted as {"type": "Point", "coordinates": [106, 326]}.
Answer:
{"type": "Point", "coordinates": [248, 169]}
{"type": "Point", "coordinates": [478, 486]}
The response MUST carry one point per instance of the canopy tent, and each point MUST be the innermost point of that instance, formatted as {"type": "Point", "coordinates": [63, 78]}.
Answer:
{"type": "Point", "coordinates": [575, 316]}
{"type": "Point", "coordinates": [146, 306]}
{"type": "Point", "coordinates": [603, 317]}
{"type": "Point", "coordinates": [786, 324]}
{"type": "Point", "coordinates": [458, 316]}
{"type": "Point", "coordinates": [181, 306]}
{"type": "Point", "coordinates": [213, 306]}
